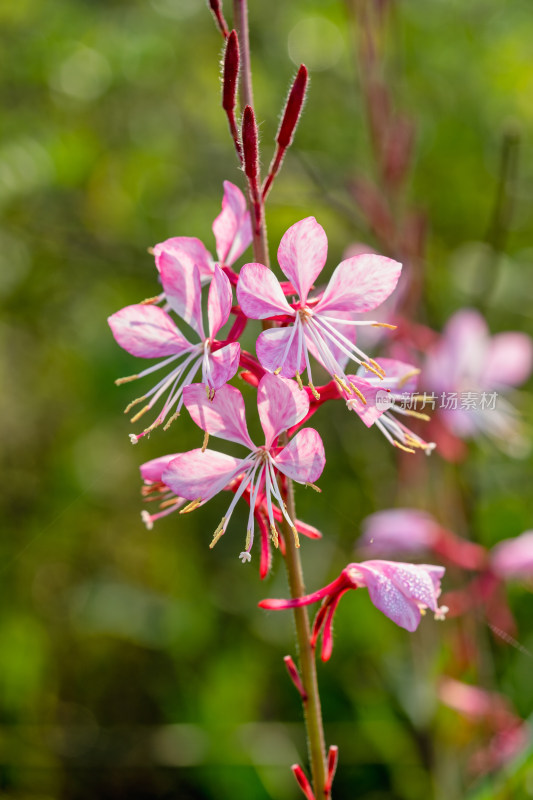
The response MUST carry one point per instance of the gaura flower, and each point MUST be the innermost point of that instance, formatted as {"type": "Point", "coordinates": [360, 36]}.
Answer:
{"type": "Point", "coordinates": [154, 490]}
{"type": "Point", "coordinates": [471, 371]}
{"type": "Point", "coordinates": [233, 235]}
{"type": "Point", "coordinates": [376, 403]}
{"type": "Point", "coordinates": [324, 326]}
{"type": "Point", "coordinates": [147, 331]}
{"type": "Point", "coordinates": [401, 591]}
{"type": "Point", "coordinates": [200, 474]}
{"type": "Point", "coordinates": [513, 558]}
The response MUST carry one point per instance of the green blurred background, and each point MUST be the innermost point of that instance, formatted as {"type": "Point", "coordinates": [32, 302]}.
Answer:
{"type": "Point", "coordinates": [136, 664]}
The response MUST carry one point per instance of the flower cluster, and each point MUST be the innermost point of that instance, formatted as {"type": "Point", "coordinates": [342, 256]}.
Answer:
{"type": "Point", "coordinates": [302, 323]}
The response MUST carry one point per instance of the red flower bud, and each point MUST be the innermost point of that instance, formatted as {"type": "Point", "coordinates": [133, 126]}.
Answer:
{"type": "Point", "coordinates": [216, 8]}
{"type": "Point", "coordinates": [249, 143]}
{"type": "Point", "coordinates": [293, 108]}
{"type": "Point", "coordinates": [231, 72]}
{"type": "Point", "coordinates": [303, 782]}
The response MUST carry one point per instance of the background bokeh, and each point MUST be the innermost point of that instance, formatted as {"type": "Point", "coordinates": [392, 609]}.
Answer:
{"type": "Point", "coordinates": [136, 664]}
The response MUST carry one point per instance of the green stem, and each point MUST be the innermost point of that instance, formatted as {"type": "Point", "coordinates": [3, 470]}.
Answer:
{"type": "Point", "coordinates": [293, 564]}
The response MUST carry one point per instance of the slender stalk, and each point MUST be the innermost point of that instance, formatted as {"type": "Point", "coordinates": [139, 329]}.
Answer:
{"type": "Point", "coordinates": [311, 703]}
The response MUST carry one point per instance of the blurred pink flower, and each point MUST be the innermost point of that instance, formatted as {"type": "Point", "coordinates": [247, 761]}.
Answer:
{"type": "Point", "coordinates": [406, 530]}
{"type": "Point", "coordinates": [478, 369]}
{"type": "Point", "coordinates": [199, 475]}
{"type": "Point", "coordinates": [147, 331]}
{"type": "Point", "coordinates": [513, 558]}
{"type": "Point", "coordinates": [401, 591]}
{"type": "Point", "coordinates": [324, 326]}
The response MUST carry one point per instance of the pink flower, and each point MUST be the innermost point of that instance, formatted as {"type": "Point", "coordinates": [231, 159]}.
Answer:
{"type": "Point", "coordinates": [147, 331]}
{"type": "Point", "coordinates": [323, 327]}
{"type": "Point", "coordinates": [155, 490]}
{"type": "Point", "coordinates": [233, 234]}
{"type": "Point", "coordinates": [471, 370]}
{"type": "Point", "coordinates": [199, 475]}
{"type": "Point", "coordinates": [401, 591]}
{"type": "Point", "coordinates": [513, 558]}
{"type": "Point", "coordinates": [376, 400]}
{"type": "Point", "coordinates": [406, 530]}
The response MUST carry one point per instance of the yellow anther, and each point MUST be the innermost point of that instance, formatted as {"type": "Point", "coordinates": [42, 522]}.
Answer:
{"type": "Point", "coordinates": [219, 532]}
{"type": "Point", "coordinates": [342, 384]}
{"type": "Point", "coordinates": [134, 403]}
{"type": "Point", "coordinates": [248, 541]}
{"type": "Point", "coordinates": [384, 325]}
{"type": "Point", "coordinates": [359, 393]}
{"type": "Point", "coordinates": [299, 381]}
{"type": "Point", "coordinates": [370, 368]}
{"type": "Point", "coordinates": [191, 506]}
{"type": "Point", "coordinates": [172, 419]}
{"type": "Point", "coordinates": [151, 250]}
{"type": "Point", "coordinates": [313, 486]}
{"type": "Point", "coordinates": [167, 503]}
{"type": "Point", "coordinates": [149, 300]}
{"type": "Point", "coordinates": [377, 366]}
{"type": "Point", "coordinates": [403, 447]}
{"type": "Point", "coordinates": [403, 380]}
{"type": "Point", "coordinates": [139, 414]}
{"type": "Point", "coordinates": [416, 414]}
{"type": "Point", "coordinates": [278, 370]}
{"type": "Point", "coordinates": [274, 534]}
{"type": "Point", "coordinates": [206, 439]}
{"type": "Point", "coordinates": [295, 534]}
{"type": "Point", "coordinates": [313, 391]}
{"type": "Point", "coordinates": [208, 391]}
{"type": "Point", "coordinates": [127, 379]}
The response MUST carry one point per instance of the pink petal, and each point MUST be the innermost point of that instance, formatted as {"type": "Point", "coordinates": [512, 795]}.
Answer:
{"type": "Point", "coordinates": [406, 529]}
{"type": "Point", "coordinates": [513, 558]}
{"type": "Point", "coordinates": [152, 471]}
{"type": "Point", "coordinates": [303, 459]}
{"type": "Point", "coordinates": [147, 331]}
{"type": "Point", "coordinates": [218, 302]}
{"type": "Point", "coordinates": [373, 409]}
{"type": "Point", "coordinates": [224, 364]}
{"type": "Point", "coordinates": [191, 251]}
{"type": "Point", "coordinates": [418, 582]}
{"type": "Point", "coordinates": [224, 416]}
{"type": "Point", "coordinates": [232, 227]}
{"type": "Point", "coordinates": [390, 600]}
{"type": "Point", "coordinates": [302, 254]}
{"type": "Point", "coordinates": [457, 361]}
{"type": "Point", "coordinates": [400, 376]}
{"type": "Point", "coordinates": [509, 360]}
{"type": "Point", "coordinates": [260, 294]}
{"type": "Point", "coordinates": [201, 474]}
{"type": "Point", "coordinates": [360, 284]}
{"type": "Point", "coordinates": [280, 404]}
{"type": "Point", "coordinates": [271, 349]}
{"type": "Point", "coordinates": [183, 289]}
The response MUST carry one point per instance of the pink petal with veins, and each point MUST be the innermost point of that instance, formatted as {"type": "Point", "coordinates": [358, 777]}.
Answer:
{"type": "Point", "coordinates": [183, 290]}
{"type": "Point", "coordinates": [153, 470]}
{"type": "Point", "coordinates": [280, 404]}
{"type": "Point", "coordinates": [302, 254]}
{"type": "Point", "coordinates": [303, 459]}
{"type": "Point", "coordinates": [147, 332]}
{"type": "Point", "coordinates": [232, 227]}
{"type": "Point", "coordinates": [224, 364]}
{"type": "Point", "coordinates": [259, 293]}
{"type": "Point", "coordinates": [190, 251]}
{"type": "Point", "coordinates": [271, 348]}
{"type": "Point", "coordinates": [400, 376]}
{"type": "Point", "coordinates": [218, 302]}
{"type": "Point", "coordinates": [509, 360]}
{"type": "Point", "coordinates": [201, 474]}
{"type": "Point", "coordinates": [360, 284]}
{"type": "Point", "coordinates": [224, 416]}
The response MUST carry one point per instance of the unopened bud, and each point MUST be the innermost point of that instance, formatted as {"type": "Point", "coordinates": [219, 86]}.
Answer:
{"type": "Point", "coordinates": [294, 675]}
{"type": "Point", "coordinates": [231, 72]}
{"type": "Point", "coordinates": [293, 108]}
{"type": "Point", "coordinates": [249, 143]}
{"type": "Point", "coordinates": [303, 782]}
{"type": "Point", "coordinates": [216, 8]}
{"type": "Point", "coordinates": [333, 757]}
